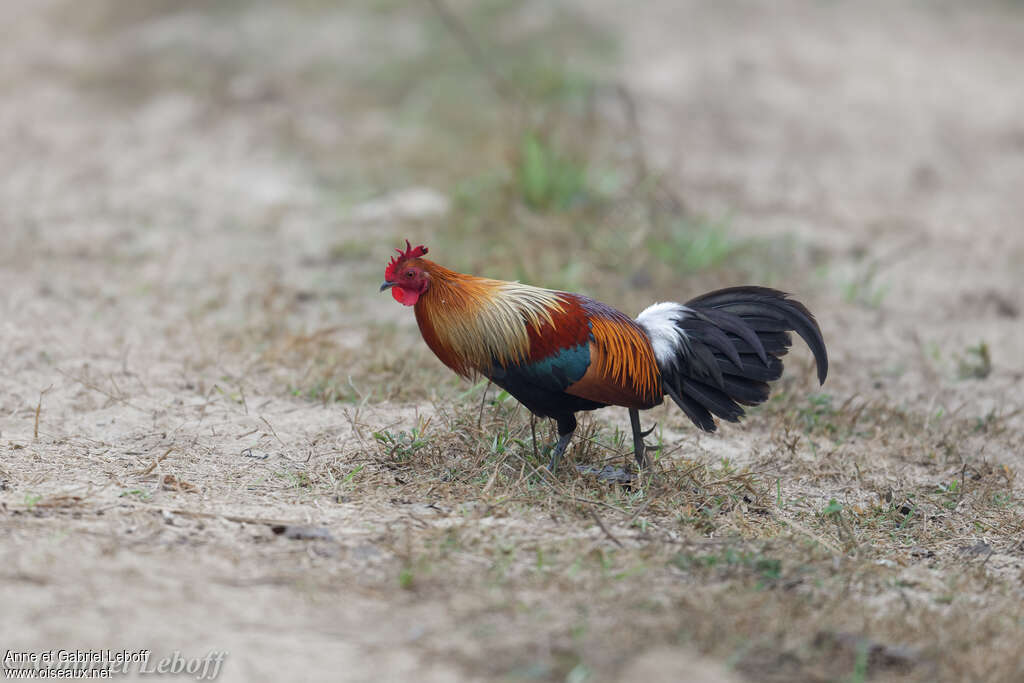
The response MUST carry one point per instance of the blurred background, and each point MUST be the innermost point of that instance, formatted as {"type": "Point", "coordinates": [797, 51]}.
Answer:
{"type": "Point", "coordinates": [255, 159]}
{"type": "Point", "coordinates": [198, 200]}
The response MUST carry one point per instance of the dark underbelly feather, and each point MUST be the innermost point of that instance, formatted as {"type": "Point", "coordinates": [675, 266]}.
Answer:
{"type": "Point", "coordinates": [540, 385]}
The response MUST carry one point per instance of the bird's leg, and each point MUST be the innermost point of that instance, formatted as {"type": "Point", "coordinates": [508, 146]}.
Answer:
{"type": "Point", "coordinates": [566, 426]}
{"type": "Point", "coordinates": [639, 447]}
{"type": "Point", "coordinates": [533, 433]}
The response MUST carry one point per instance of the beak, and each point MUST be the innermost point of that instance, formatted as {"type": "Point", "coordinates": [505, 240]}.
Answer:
{"type": "Point", "coordinates": [387, 285]}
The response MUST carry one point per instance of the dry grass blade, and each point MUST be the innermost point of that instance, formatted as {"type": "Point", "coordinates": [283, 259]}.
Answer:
{"type": "Point", "coordinates": [153, 465]}
{"type": "Point", "coordinates": [39, 411]}
{"type": "Point", "coordinates": [604, 529]}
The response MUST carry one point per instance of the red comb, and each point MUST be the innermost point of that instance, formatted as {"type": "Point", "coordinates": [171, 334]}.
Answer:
{"type": "Point", "coordinates": [410, 252]}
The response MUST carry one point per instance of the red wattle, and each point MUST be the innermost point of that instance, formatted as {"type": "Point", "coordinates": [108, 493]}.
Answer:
{"type": "Point", "coordinates": [405, 296]}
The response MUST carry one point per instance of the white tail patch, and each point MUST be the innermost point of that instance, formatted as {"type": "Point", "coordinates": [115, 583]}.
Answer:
{"type": "Point", "coordinates": [659, 321]}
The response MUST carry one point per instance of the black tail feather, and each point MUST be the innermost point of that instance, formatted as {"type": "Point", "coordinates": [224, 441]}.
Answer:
{"type": "Point", "coordinates": [714, 399]}
{"type": "Point", "coordinates": [733, 323]}
{"type": "Point", "coordinates": [762, 324]}
{"type": "Point", "coordinates": [761, 302]}
{"type": "Point", "coordinates": [752, 368]}
{"type": "Point", "coordinates": [774, 343]}
{"type": "Point", "coordinates": [732, 341]}
{"type": "Point", "coordinates": [695, 411]}
{"type": "Point", "coordinates": [746, 391]}
{"type": "Point", "coordinates": [716, 339]}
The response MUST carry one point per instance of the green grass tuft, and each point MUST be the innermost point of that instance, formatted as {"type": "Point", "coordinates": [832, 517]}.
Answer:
{"type": "Point", "coordinates": [695, 244]}
{"type": "Point", "coordinates": [547, 178]}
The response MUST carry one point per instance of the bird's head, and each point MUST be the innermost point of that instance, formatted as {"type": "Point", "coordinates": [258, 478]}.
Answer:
{"type": "Point", "coordinates": [406, 276]}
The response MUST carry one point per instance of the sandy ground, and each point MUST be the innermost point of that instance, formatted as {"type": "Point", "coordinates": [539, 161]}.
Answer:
{"type": "Point", "coordinates": [162, 249]}
{"type": "Point", "coordinates": [855, 133]}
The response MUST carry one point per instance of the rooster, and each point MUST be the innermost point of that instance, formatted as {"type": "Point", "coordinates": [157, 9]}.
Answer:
{"type": "Point", "coordinates": [559, 353]}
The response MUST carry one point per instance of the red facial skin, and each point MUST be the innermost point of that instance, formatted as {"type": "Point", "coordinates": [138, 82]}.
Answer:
{"type": "Point", "coordinates": [410, 285]}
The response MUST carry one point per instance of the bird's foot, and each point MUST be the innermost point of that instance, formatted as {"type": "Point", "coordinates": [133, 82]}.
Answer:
{"type": "Point", "coordinates": [615, 475]}
{"type": "Point", "coordinates": [640, 448]}
{"type": "Point", "coordinates": [556, 454]}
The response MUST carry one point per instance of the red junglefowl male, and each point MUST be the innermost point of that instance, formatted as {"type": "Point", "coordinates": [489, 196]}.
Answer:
{"type": "Point", "coordinates": [559, 353]}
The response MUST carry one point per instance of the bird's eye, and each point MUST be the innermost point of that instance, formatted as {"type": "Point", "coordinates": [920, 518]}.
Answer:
{"type": "Point", "coordinates": [409, 273]}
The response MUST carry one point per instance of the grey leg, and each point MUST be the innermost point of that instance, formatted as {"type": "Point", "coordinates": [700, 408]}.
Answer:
{"type": "Point", "coordinates": [639, 448]}
{"type": "Point", "coordinates": [566, 426]}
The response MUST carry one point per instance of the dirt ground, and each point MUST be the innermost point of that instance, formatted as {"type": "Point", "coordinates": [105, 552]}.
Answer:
{"type": "Point", "coordinates": [215, 434]}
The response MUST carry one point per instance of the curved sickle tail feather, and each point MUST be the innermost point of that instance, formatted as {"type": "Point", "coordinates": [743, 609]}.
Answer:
{"type": "Point", "coordinates": [718, 352]}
